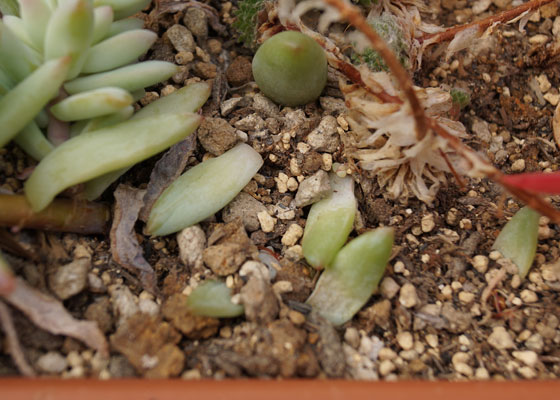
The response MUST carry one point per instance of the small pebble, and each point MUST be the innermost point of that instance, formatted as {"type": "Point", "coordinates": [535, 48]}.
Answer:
{"type": "Point", "coordinates": [527, 372]}
{"type": "Point", "coordinates": [529, 358]}
{"type": "Point", "coordinates": [405, 340]}
{"type": "Point", "coordinates": [466, 297]}
{"type": "Point", "coordinates": [386, 367]}
{"type": "Point", "coordinates": [501, 339]}
{"type": "Point", "coordinates": [296, 317]}
{"type": "Point", "coordinates": [52, 363]}
{"type": "Point", "coordinates": [352, 337]}
{"type": "Point", "coordinates": [266, 221]}
{"type": "Point", "coordinates": [481, 374]}
{"type": "Point", "coordinates": [408, 297]}
{"type": "Point", "coordinates": [480, 263]}
{"type": "Point", "coordinates": [389, 288]}
{"type": "Point", "coordinates": [387, 354]}
{"type": "Point", "coordinates": [292, 235]}
{"type": "Point", "coordinates": [432, 340]}
{"type": "Point", "coordinates": [528, 296]}
{"type": "Point", "coordinates": [427, 223]}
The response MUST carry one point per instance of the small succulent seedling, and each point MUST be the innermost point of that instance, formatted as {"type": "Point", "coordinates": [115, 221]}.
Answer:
{"type": "Point", "coordinates": [246, 20]}
{"type": "Point", "coordinates": [518, 239]}
{"type": "Point", "coordinates": [389, 29]}
{"type": "Point", "coordinates": [290, 68]}
{"type": "Point", "coordinates": [329, 223]}
{"type": "Point", "coordinates": [203, 190]}
{"type": "Point", "coordinates": [348, 283]}
{"type": "Point", "coordinates": [213, 299]}
{"type": "Point", "coordinates": [460, 97]}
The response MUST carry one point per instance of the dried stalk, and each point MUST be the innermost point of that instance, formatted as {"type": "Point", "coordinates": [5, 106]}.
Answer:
{"type": "Point", "coordinates": [63, 215]}
{"type": "Point", "coordinates": [355, 17]}
{"type": "Point", "coordinates": [503, 17]}
{"type": "Point", "coordinates": [14, 347]}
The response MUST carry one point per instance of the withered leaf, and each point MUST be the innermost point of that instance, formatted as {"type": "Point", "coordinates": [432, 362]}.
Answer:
{"type": "Point", "coordinates": [125, 248]}
{"type": "Point", "coordinates": [556, 125]}
{"type": "Point", "coordinates": [49, 314]}
{"type": "Point", "coordinates": [166, 170]}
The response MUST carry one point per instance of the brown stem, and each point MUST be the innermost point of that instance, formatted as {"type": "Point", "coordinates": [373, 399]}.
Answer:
{"type": "Point", "coordinates": [485, 23]}
{"type": "Point", "coordinates": [355, 17]}
{"type": "Point", "coordinates": [62, 215]}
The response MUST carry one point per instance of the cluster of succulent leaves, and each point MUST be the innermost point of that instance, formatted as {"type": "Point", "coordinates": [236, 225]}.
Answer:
{"type": "Point", "coordinates": [246, 20]}
{"type": "Point", "coordinates": [460, 97]}
{"type": "Point", "coordinates": [81, 55]}
{"type": "Point", "coordinates": [389, 29]}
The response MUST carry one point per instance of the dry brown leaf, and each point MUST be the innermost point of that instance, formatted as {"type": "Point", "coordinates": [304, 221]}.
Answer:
{"type": "Point", "coordinates": [49, 314]}
{"type": "Point", "coordinates": [125, 248]}
{"type": "Point", "coordinates": [12, 342]}
{"type": "Point", "coordinates": [556, 125]}
{"type": "Point", "coordinates": [166, 170]}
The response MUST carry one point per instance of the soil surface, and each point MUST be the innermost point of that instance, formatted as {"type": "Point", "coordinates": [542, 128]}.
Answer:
{"type": "Point", "coordinates": [448, 307]}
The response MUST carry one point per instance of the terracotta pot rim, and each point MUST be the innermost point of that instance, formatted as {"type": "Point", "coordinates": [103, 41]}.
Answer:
{"type": "Point", "coordinates": [253, 389]}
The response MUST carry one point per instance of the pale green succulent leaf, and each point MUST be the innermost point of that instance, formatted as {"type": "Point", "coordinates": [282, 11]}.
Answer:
{"type": "Point", "coordinates": [123, 8]}
{"type": "Point", "coordinates": [189, 98]}
{"type": "Point", "coordinates": [111, 119]}
{"type": "Point", "coordinates": [329, 223]}
{"type": "Point", "coordinates": [203, 190]}
{"type": "Point", "coordinates": [16, 58]}
{"type": "Point", "coordinates": [95, 153]}
{"type": "Point", "coordinates": [92, 104]}
{"type": "Point", "coordinates": [102, 20]}
{"type": "Point", "coordinates": [118, 50]}
{"type": "Point", "coordinates": [33, 142]}
{"type": "Point", "coordinates": [70, 32]}
{"type": "Point", "coordinates": [18, 28]}
{"type": "Point", "coordinates": [24, 101]}
{"type": "Point", "coordinates": [35, 15]}
{"type": "Point", "coordinates": [42, 119]}
{"type": "Point", "coordinates": [131, 77]}
{"type": "Point", "coordinates": [213, 299]}
{"type": "Point", "coordinates": [518, 239]}
{"type": "Point", "coordinates": [6, 83]}
{"type": "Point", "coordinates": [354, 275]}
{"type": "Point", "coordinates": [124, 25]}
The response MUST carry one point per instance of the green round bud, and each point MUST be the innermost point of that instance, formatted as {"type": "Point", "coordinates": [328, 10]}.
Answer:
{"type": "Point", "coordinates": [290, 68]}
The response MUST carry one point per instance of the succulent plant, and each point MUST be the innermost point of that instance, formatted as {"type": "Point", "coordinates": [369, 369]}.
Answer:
{"type": "Point", "coordinates": [246, 20]}
{"type": "Point", "coordinates": [388, 28]}
{"type": "Point", "coordinates": [213, 299]}
{"type": "Point", "coordinates": [348, 283]}
{"type": "Point", "coordinates": [71, 66]}
{"type": "Point", "coordinates": [290, 68]}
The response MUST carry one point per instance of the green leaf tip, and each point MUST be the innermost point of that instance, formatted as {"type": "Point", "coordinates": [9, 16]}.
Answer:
{"type": "Point", "coordinates": [213, 299]}
{"type": "Point", "coordinates": [329, 223]}
{"type": "Point", "coordinates": [518, 239]}
{"type": "Point", "coordinates": [354, 275]}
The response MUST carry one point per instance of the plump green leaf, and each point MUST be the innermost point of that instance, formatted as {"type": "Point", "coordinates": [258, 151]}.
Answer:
{"type": "Point", "coordinates": [95, 153]}
{"type": "Point", "coordinates": [203, 190]}
{"type": "Point", "coordinates": [118, 50]}
{"type": "Point", "coordinates": [518, 239]}
{"type": "Point", "coordinates": [329, 223]}
{"type": "Point", "coordinates": [123, 8]}
{"type": "Point", "coordinates": [33, 142]}
{"type": "Point", "coordinates": [353, 276]}
{"type": "Point", "coordinates": [102, 20]}
{"type": "Point", "coordinates": [23, 102]}
{"type": "Point", "coordinates": [16, 25]}
{"type": "Point", "coordinates": [92, 104]}
{"type": "Point", "coordinates": [131, 77]}
{"type": "Point", "coordinates": [124, 25]}
{"type": "Point", "coordinates": [70, 32]}
{"type": "Point", "coordinates": [35, 15]}
{"type": "Point", "coordinates": [16, 58]}
{"type": "Point", "coordinates": [213, 299]}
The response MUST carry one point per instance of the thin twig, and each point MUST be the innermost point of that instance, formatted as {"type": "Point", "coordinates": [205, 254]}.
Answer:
{"type": "Point", "coordinates": [355, 17]}
{"type": "Point", "coordinates": [13, 343]}
{"type": "Point", "coordinates": [483, 24]}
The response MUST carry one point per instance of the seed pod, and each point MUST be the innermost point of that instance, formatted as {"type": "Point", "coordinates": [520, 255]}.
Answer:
{"type": "Point", "coordinates": [518, 239]}
{"type": "Point", "coordinates": [203, 190]}
{"type": "Point", "coordinates": [213, 299]}
{"type": "Point", "coordinates": [348, 283]}
{"type": "Point", "coordinates": [290, 68]}
{"type": "Point", "coordinates": [329, 223]}
{"type": "Point", "coordinates": [95, 153]}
